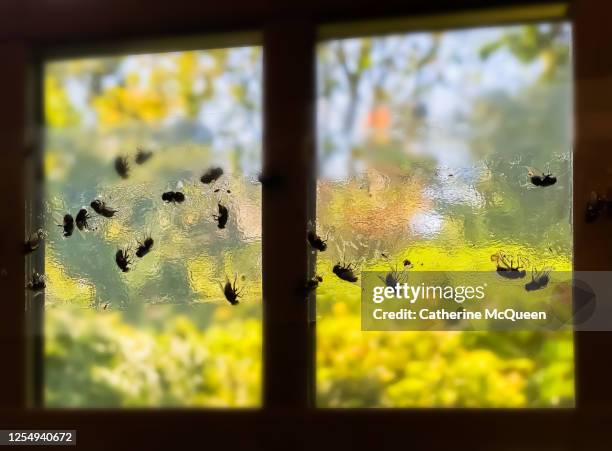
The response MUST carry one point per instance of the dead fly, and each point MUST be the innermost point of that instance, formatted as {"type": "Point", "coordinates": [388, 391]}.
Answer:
{"type": "Point", "coordinates": [543, 180]}
{"type": "Point", "coordinates": [454, 322]}
{"type": "Point", "coordinates": [231, 293]}
{"type": "Point", "coordinates": [175, 197]}
{"type": "Point", "coordinates": [122, 167]}
{"type": "Point", "coordinates": [395, 276]}
{"type": "Point", "coordinates": [33, 242]}
{"type": "Point", "coordinates": [81, 219]}
{"type": "Point", "coordinates": [102, 209]}
{"type": "Point", "coordinates": [316, 241]}
{"type": "Point", "coordinates": [68, 225]}
{"type": "Point", "coordinates": [311, 285]}
{"type": "Point", "coordinates": [539, 280]}
{"type": "Point", "coordinates": [595, 206]}
{"type": "Point", "coordinates": [36, 283]}
{"type": "Point", "coordinates": [145, 247]}
{"type": "Point", "coordinates": [221, 218]}
{"type": "Point", "coordinates": [345, 272]}
{"type": "Point", "coordinates": [122, 258]}
{"type": "Point", "coordinates": [271, 181]}
{"type": "Point", "coordinates": [142, 156]}
{"type": "Point", "coordinates": [407, 263]}
{"type": "Point", "coordinates": [211, 175]}
{"type": "Point", "coordinates": [506, 268]}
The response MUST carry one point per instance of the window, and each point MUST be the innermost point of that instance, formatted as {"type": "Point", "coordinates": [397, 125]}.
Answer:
{"type": "Point", "coordinates": [161, 334]}
{"type": "Point", "coordinates": [355, 377]}
{"type": "Point", "coordinates": [426, 141]}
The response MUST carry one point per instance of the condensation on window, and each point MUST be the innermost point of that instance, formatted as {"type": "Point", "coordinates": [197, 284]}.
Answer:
{"type": "Point", "coordinates": [427, 145]}
{"type": "Point", "coordinates": [163, 333]}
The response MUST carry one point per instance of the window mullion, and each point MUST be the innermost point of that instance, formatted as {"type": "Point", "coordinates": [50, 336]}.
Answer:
{"type": "Point", "coordinates": [592, 163]}
{"type": "Point", "coordinates": [289, 100]}
{"type": "Point", "coordinates": [13, 127]}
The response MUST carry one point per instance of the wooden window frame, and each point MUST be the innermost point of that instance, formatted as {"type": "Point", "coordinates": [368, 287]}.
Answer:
{"type": "Point", "coordinates": [31, 29]}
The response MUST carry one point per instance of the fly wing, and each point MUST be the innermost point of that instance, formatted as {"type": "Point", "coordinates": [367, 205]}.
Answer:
{"type": "Point", "coordinates": [531, 171]}
{"type": "Point", "coordinates": [546, 271]}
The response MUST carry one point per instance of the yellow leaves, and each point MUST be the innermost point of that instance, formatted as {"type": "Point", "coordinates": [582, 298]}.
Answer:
{"type": "Point", "coordinates": [550, 61]}
{"type": "Point", "coordinates": [57, 163]}
{"type": "Point", "coordinates": [175, 364]}
{"type": "Point", "coordinates": [431, 369]}
{"type": "Point", "coordinates": [161, 87]}
{"type": "Point", "coordinates": [64, 289]}
{"type": "Point", "coordinates": [202, 277]}
{"type": "Point", "coordinates": [187, 63]}
{"type": "Point", "coordinates": [125, 104]}
{"type": "Point", "coordinates": [59, 112]}
{"type": "Point", "coordinates": [113, 231]}
{"type": "Point", "coordinates": [339, 309]}
{"type": "Point", "coordinates": [412, 369]}
{"type": "Point", "coordinates": [51, 161]}
{"type": "Point", "coordinates": [239, 92]}
{"type": "Point", "coordinates": [123, 91]}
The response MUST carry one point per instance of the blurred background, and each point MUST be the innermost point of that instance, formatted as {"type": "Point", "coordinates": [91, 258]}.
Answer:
{"type": "Point", "coordinates": [425, 144]}
{"type": "Point", "coordinates": [161, 334]}
{"type": "Point", "coordinates": [426, 141]}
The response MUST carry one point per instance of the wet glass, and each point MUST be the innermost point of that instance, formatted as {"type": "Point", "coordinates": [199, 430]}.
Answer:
{"type": "Point", "coordinates": [163, 333]}
{"type": "Point", "coordinates": [428, 145]}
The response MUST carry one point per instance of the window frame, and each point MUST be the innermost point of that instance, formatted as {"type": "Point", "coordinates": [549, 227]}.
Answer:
{"type": "Point", "coordinates": [288, 415]}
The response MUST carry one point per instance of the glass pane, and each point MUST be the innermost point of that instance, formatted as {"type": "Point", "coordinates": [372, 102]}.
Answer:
{"type": "Point", "coordinates": [161, 333]}
{"type": "Point", "coordinates": [426, 143]}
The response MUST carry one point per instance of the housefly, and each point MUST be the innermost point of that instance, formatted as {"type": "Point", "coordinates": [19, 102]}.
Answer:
{"type": "Point", "coordinates": [539, 280]}
{"type": "Point", "coordinates": [231, 293]}
{"type": "Point", "coordinates": [81, 219]}
{"type": "Point", "coordinates": [543, 180]}
{"type": "Point", "coordinates": [36, 283]}
{"type": "Point", "coordinates": [122, 167]}
{"type": "Point", "coordinates": [33, 242]}
{"type": "Point", "coordinates": [175, 197]}
{"type": "Point", "coordinates": [211, 175]}
{"type": "Point", "coordinates": [222, 217]}
{"type": "Point", "coordinates": [595, 206]}
{"type": "Point", "coordinates": [145, 247]}
{"type": "Point", "coordinates": [506, 267]}
{"type": "Point", "coordinates": [345, 272]}
{"type": "Point", "coordinates": [142, 156]}
{"type": "Point", "coordinates": [270, 180]}
{"type": "Point", "coordinates": [122, 258]}
{"type": "Point", "coordinates": [68, 225]}
{"type": "Point", "coordinates": [312, 284]}
{"type": "Point", "coordinates": [395, 276]}
{"type": "Point", "coordinates": [316, 241]}
{"type": "Point", "coordinates": [102, 209]}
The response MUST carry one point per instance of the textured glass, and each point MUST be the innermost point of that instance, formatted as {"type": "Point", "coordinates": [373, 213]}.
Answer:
{"type": "Point", "coordinates": [162, 333]}
{"type": "Point", "coordinates": [427, 146]}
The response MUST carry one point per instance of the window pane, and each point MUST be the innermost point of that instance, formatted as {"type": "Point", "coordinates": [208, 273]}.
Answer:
{"type": "Point", "coordinates": [426, 141]}
{"type": "Point", "coordinates": [162, 333]}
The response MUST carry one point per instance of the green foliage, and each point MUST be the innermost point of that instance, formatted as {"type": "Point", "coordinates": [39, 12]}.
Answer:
{"type": "Point", "coordinates": [99, 359]}
{"type": "Point", "coordinates": [507, 131]}
{"type": "Point", "coordinates": [161, 334]}
{"type": "Point", "coordinates": [532, 42]}
{"type": "Point", "coordinates": [205, 353]}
